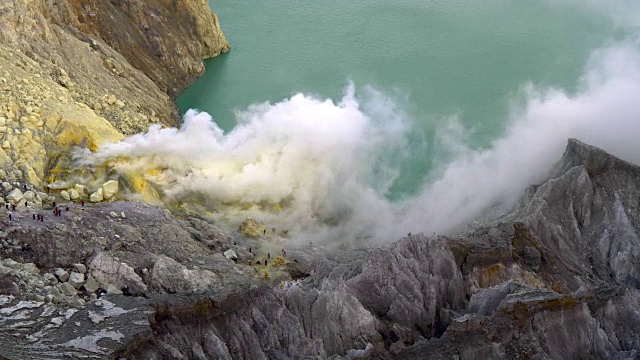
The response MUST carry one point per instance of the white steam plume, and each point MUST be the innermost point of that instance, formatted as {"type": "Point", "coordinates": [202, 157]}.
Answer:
{"type": "Point", "coordinates": [605, 112]}
{"type": "Point", "coordinates": [320, 161]}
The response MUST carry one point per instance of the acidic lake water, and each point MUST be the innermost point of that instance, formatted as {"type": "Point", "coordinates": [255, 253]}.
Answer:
{"type": "Point", "coordinates": [439, 107]}
{"type": "Point", "coordinates": [436, 58]}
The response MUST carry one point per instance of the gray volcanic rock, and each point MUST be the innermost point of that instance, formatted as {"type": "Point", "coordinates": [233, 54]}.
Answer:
{"type": "Point", "coordinates": [149, 253]}
{"type": "Point", "coordinates": [76, 279]}
{"type": "Point", "coordinates": [33, 330]}
{"type": "Point", "coordinates": [556, 278]}
{"type": "Point", "coordinates": [105, 270]}
{"type": "Point", "coordinates": [167, 275]}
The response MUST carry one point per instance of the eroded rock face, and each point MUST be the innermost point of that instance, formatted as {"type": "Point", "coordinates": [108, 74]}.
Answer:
{"type": "Point", "coordinates": [82, 72]}
{"type": "Point", "coordinates": [556, 278]}
{"type": "Point", "coordinates": [151, 35]}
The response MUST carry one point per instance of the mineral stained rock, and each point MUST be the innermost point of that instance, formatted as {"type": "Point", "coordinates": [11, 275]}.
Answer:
{"type": "Point", "coordinates": [84, 72]}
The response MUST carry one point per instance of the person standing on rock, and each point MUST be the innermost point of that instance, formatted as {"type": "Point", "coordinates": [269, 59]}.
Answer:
{"type": "Point", "coordinates": [10, 217]}
{"type": "Point", "coordinates": [268, 255]}
{"type": "Point", "coordinates": [34, 216]}
{"type": "Point", "coordinates": [82, 203]}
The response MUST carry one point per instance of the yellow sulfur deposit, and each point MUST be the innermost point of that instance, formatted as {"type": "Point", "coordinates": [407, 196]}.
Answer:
{"type": "Point", "coordinates": [279, 261]}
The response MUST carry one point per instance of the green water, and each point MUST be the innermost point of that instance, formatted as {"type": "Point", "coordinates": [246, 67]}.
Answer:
{"type": "Point", "coordinates": [435, 58]}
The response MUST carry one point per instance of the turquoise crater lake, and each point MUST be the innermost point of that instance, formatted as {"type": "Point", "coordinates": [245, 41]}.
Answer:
{"type": "Point", "coordinates": [433, 60]}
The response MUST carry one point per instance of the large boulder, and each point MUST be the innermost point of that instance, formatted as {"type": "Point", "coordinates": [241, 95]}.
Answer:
{"type": "Point", "coordinates": [109, 189]}
{"type": "Point", "coordinates": [81, 268]}
{"type": "Point", "coordinates": [73, 194]}
{"type": "Point", "coordinates": [231, 255]}
{"type": "Point", "coordinates": [105, 270]}
{"type": "Point", "coordinates": [11, 264]}
{"type": "Point", "coordinates": [61, 274]}
{"type": "Point", "coordinates": [170, 276]}
{"type": "Point", "coordinates": [50, 279]}
{"type": "Point", "coordinates": [14, 196]}
{"type": "Point", "coordinates": [29, 196]}
{"type": "Point", "coordinates": [251, 228]}
{"type": "Point", "coordinates": [97, 196]}
{"type": "Point", "coordinates": [91, 285]}
{"type": "Point", "coordinates": [76, 279]}
{"type": "Point", "coordinates": [65, 195]}
{"type": "Point", "coordinates": [67, 289]}
{"type": "Point", "coordinates": [81, 189]}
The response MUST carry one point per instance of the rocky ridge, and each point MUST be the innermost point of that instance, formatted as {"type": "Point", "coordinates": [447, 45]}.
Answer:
{"type": "Point", "coordinates": [557, 278]}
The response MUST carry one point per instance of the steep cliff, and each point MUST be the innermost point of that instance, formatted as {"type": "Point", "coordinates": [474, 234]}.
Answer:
{"type": "Point", "coordinates": [93, 70]}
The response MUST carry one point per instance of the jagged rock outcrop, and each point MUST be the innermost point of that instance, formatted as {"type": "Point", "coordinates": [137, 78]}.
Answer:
{"type": "Point", "coordinates": [556, 278]}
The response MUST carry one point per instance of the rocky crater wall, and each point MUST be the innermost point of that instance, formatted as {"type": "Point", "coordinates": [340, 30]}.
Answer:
{"type": "Point", "coordinates": [81, 72]}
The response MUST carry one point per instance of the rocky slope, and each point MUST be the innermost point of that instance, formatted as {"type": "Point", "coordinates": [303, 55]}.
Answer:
{"type": "Point", "coordinates": [82, 72]}
{"type": "Point", "coordinates": [558, 278]}
{"type": "Point", "coordinates": [62, 276]}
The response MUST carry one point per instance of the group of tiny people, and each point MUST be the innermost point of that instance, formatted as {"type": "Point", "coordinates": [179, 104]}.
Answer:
{"type": "Point", "coordinates": [266, 262]}
{"type": "Point", "coordinates": [57, 210]}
